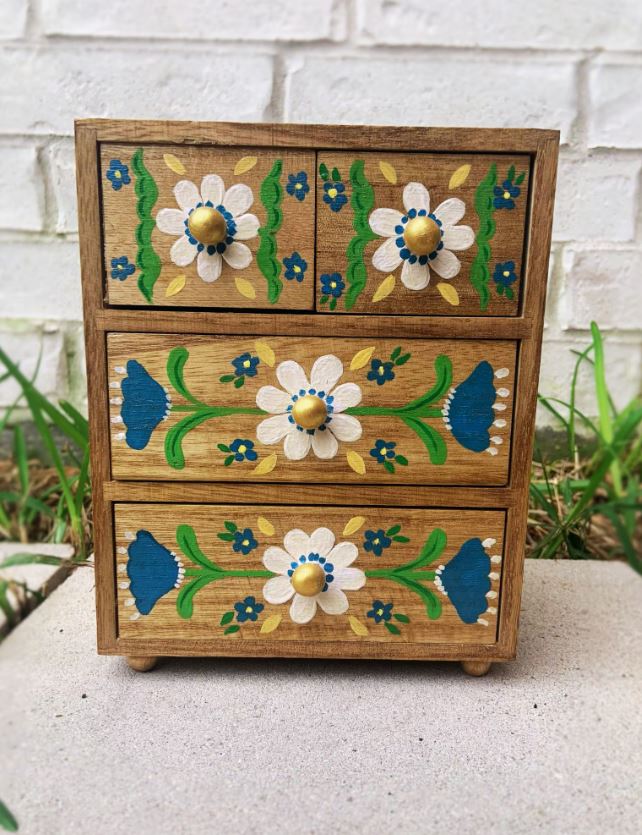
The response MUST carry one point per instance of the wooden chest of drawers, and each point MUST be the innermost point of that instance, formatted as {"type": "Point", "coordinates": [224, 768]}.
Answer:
{"type": "Point", "coordinates": [312, 358]}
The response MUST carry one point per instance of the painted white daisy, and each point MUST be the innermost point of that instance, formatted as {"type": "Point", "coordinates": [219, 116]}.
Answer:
{"type": "Point", "coordinates": [312, 570]}
{"type": "Point", "coordinates": [421, 238]}
{"type": "Point", "coordinates": [210, 224]}
{"type": "Point", "coordinates": [308, 414]}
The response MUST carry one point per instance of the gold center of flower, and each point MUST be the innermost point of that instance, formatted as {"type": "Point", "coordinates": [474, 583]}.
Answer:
{"type": "Point", "coordinates": [422, 235]}
{"type": "Point", "coordinates": [207, 225]}
{"type": "Point", "coordinates": [309, 411]}
{"type": "Point", "coordinates": [308, 579]}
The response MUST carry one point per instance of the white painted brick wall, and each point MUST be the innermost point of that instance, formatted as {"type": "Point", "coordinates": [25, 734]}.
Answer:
{"type": "Point", "coordinates": [575, 65]}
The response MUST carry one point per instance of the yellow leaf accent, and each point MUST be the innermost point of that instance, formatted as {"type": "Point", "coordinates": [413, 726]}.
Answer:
{"type": "Point", "coordinates": [264, 526]}
{"type": "Point", "coordinates": [388, 172]}
{"type": "Point", "coordinates": [245, 288]}
{"type": "Point", "coordinates": [357, 627]}
{"type": "Point", "coordinates": [265, 353]}
{"type": "Point", "coordinates": [385, 288]}
{"type": "Point", "coordinates": [266, 465]}
{"type": "Point", "coordinates": [459, 177]}
{"type": "Point", "coordinates": [353, 525]}
{"type": "Point", "coordinates": [356, 462]}
{"type": "Point", "coordinates": [270, 624]}
{"type": "Point", "coordinates": [361, 358]}
{"type": "Point", "coordinates": [175, 286]}
{"type": "Point", "coordinates": [174, 163]}
{"type": "Point", "coordinates": [245, 164]}
{"type": "Point", "coordinates": [449, 293]}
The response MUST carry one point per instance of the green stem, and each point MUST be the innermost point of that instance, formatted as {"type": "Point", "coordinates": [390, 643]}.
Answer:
{"type": "Point", "coordinates": [223, 573]}
{"type": "Point", "coordinates": [219, 411]}
{"type": "Point", "coordinates": [401, 411]}
{"type": "Point", "coordinates": [394, 574]}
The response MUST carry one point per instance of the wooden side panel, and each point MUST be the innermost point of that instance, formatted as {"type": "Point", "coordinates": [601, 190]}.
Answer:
{"type": "Point", "coordinates": [412, 411]}
{"type": "Point", "coordinates": [391, 576]}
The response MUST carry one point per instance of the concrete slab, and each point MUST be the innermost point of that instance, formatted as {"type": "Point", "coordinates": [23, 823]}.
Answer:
{"type": "Point", "coordinates": [550, 743]}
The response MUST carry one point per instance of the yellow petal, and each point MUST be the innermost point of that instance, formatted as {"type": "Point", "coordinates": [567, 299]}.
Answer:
{"type": "Point", "coordinates": [388, 172]}
{"type": "Point", "coordinates": [361, 358]}
{"type": "Point", "coordinates": [265, 353]}
{"type": "Point", "coordinates": [270, 624]}
{"type": "Point", "coordinates": [449, 293]}
{"type": "Point", "coordinates": [245, 164]}
{"type": "Point", "coordinates": [266, 465]}
{"type": "Point", "coordinates": [357, 627]}
{"type": "Point", "coordinates": [264, 526]}
{"type": "Point", "coordinates": [356, 462]}
{"type": "Point", "coordinates": [353, 525]}
{"type": "Point", "coordinates": [459, 177]}
{"type": "Point", "coordinates": [385, 288]}
{"type": "Point", "coordinates": [245, 288]}
{"type": "Point", "coordinates": [175, 286]}
{"type": "Point", "coordinates": [173, 163]}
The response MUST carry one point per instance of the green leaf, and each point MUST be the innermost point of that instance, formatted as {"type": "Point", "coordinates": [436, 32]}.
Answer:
{"type": "Point", "coordinates": [174, 438]}
{"type": "Point", "coordinates": [333, 303]}
{"type": "Point", "coordinates": [228, 461]}
{"type": "Point", "coordinates": [401, 459]}
{"type": "Point", "coordinates": [188, 543]}
{"type": "Point", "coordinates": [362, 202]}
{"type": "Point", "coordinates": [226, 537]}
{"type": "Point", "coordinates": [389, 466]}
{"type": "Point", "coordinates": [227, 378]}
{"type": "Point", "coordinates": [395, 353]}
{"type": "Point", "coordinates": [185, 599]}
{"type": "Point", "coordinates": [175, 367]}
{"type": "Point", "coordinates": [271, 195]}
{"type": "Point", "coordinates": [227, 617]}
{"type": "Point", "coordinates": [511, 173]}
{"type": "Point", "coordinates": [443, 380]}
{"type": "Point", "coordinates": [31, 559]}
{"type": "Point", "coordinates": [7, 820]}
{"type": "Point", "coordinates": [402, 360]}
{"type": "Point", "coordinates": [508, 293]}
{"type": "Point", "coordinates": [394, 630]}
{"type": "Point", "coordinates": [323, 172]}
{"type": "Point", "coordinates": [393, 530]}
{"type": "Point", "coordinates": [431, 439]}
{"type": "Point", "coordinates": [323, 299]}
{"type": "Point", "coordinates": [231, 629]}
{"type": "Point", "coordinates": [147, 260]}
{"type": "Point", "coordinates": [231, 527]}
{"type": "Point", "coordinates": [223, 447]}
{"type": "Point", "coordinates": [21, 458]}
{"type": "Point", "coordinates": [520, 179]}
{"type": "Point", "coordinates": [401, 618]}
{"type": "Point", "coordinates": [240, 381]}
{"type": "Point", "coordinates": [335, 174]}
{"type": "Point", "coordinates": [484, 207]}
{"type": "Point", "coordinates": [432, 549]}
{"type": "Point", "coordinates": [401, 539]}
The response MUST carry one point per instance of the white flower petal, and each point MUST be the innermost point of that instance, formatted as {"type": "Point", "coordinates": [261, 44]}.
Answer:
{"type": "Point", "coordinates": [209, 266]}
{"type": "Point", "coordinates": [238, 199]}
{"type": "Point", "coordinates": [324, 444]}
{"type": "Point", "coordinates": [326, 373]}
{"type": "Point", "coordinates": [303, 608]}
{"type": "Point", "coordinates": [212, 189]}
{"type": "Point", "coordinates": [238, 256]}
{"type": "Point", "coordinates": [346, 395]}
{"type": "Point", "coordinates": [247, 226]}
{"type": "Point", "coordinates": [297, 445]}
{"type": "Point", "coordinates": [277, 560]}
{"type": "Point", "coordinates": [321, 542]}
{"type": "Point", "coordinates": [345, 428]}
{"type": "Point", "coordinates": [446, 264]}
{"type": "Point", "coordinates": [272, 400]}
{"type": "Point", "coordinates": [292, 376]}
{"type": "Point", "coordinates": [416, 196]}
{"type": "Point", "coordinates": [182, 252]}
{"type": "Point", "coordinates": [349, 578]}
{"type": "Point", "coordinates": [387, 258]}
{"type": "Point", "coordinates": [343, 554]}
{"type": "Point", "coordinates": [297, 543]}
{"type": "Point", "coordinates": [333, 601]}
{"type": "Point", "coordinates": [450, 211]}
{"type": "Point", "coordinates": [278, 589]}
{"type": "Point", "coordinates": [171, 221]}
{"type": "Point", "coordinates": [458, 237]}
{"type": "Point", "coordinates": [272, 429]}
{"type": "Point", "coordinates": [415, 276]}
{"type": "Point", "coordinates": [383, 222]}
{"type": "Point", "coordinates": [186, 195]}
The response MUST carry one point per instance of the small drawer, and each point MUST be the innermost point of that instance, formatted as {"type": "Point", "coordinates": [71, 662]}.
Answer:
{"type": "Point", "coordinates": [208, 227]}
{"type": "Point", "coordinates": [262, 577]}
{"type": "Point", "coordinates": [311, 409]}
{"type": "Point", "coordinates": [424, 234]}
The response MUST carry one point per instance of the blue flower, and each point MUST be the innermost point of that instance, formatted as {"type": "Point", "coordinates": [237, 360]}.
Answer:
{"type": "Point", "coordinates": [295, 267]}
{"type": "Point", "coordinates": [504, 274]}
{"type": "Point", "coordinates": [334, 195]}
{"type": "Point", "coordinates": [297, 185]}
{"type": "Point", "coordinates": [332, 285]}
{"type": "Point", "coordinates": [248, 609]}
{"type": "Point", "coordinates": [145, 404]}
{"type": "Point", "coordinates": [121, 268]}
{"type": "Point", "coordinates": [376, 541]}
{"type": "Point", "coordinates": [153, 571]}
{"type": "Point", "coordinates": [243, 449]}
{"type": "Point", "coordinates": [468, 412]}
{"type": "Point", "coordinates": [245, 365]}
{"type": "Point", "coordinates": [380, 611]}
{"type": "Point", "coordinates": [381, 371]}
{"type": "Point", "coordinates": [244, 541]}
{"type": "Point", "coordinates": [383, 450]}
{"type": "Point", "coordinates": [505, 195]}
{"type": "Point", "coordinates": [118, 174]}
{"type": "Point", "coordinates": [465, 579]}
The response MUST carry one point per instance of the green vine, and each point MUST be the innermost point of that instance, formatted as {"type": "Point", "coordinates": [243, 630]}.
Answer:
{"type": "Point", "coordinates": [362, 202]}
{"type": "Point", "coordinates": [271, 195]}
{"type": "Point", "coordinates": [479, 272]}
{"type": "Point", "coordinates": [147, 259]}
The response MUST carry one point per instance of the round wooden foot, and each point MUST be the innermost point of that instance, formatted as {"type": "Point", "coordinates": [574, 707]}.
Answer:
{"type": "Point", "coordinates": [475, 668]}
{"type": "Point", "coordinates": [142, 663]}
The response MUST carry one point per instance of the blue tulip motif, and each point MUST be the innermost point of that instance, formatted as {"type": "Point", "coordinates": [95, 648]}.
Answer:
{"type": "Point", "coordinates": [470, 409]}
{"type": "Point", "coordinates": [153, 571]}
{"type": "Point", "coordinates": [145, 404]}
{"type": "Point", "coordinates": [466, 580]}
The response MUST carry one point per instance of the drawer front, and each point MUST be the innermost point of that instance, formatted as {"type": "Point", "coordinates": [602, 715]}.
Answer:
{"type": "Point", "coordinates": [424, 234]}
{"type": "Point", "coordinates": [208, 227]}
{"type": "Point", "coordinates": [415, 411]}
{"type": "Point", "coordinates": [275, 574]}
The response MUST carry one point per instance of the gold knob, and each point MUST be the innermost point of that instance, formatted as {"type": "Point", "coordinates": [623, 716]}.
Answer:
{"type": "Point", "coordinates": [422, 235]}
{"type": "Point", "coordinates": [309, 411]}
{"type": "Point", "coordinates": [207, 225]}
{"type": "Point", "coordinates": [308, 579]}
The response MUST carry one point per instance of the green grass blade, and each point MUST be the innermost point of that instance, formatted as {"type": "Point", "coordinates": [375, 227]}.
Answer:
{"type": "Point", "coordinates": [606, 424]}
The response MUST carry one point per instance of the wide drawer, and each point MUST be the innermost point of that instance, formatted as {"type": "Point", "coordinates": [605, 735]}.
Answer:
{"type": "Point", "coordinates": [313, 409]}
{"type": "Point", "coordinates": [276, 574]}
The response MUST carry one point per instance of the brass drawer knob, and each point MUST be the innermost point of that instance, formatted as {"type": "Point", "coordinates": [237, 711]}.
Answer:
{"type": "Point", "coordinates": [207, 225]}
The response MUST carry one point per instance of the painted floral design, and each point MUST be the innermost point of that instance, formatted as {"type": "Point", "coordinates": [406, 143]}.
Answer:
{"type": "Point", "coordinates": [121, 268]}
{"type": "Point", "coordinates": [334, 195]}
{"type": "Point", "coordinates": [393, 225]}
{"type": "Point", "coordinates": [295, 267]}
{"type": "Point", "coordinates": [153, 571]}
{"type": "Point", "coordinates": [248, 609]}
{"type": "Point", "coordinates": [144, 405]}
{"type": "Point", "coordinates": [324, 395]}
{"type": "Point", "coordinates": [504, 276]}
{"type": "Point", "coordinates": [245, 365]}
{"type": "Point", "coordinates": [240, 449]}
{"type": "Point", "coordinates": [118, 174]}
{"type": "Point", "coordinates": [327, 563]}
{"type": "Point", "coordinates": [244, 541]}
{"type": "Point", "coordinates": [232, 204]}
{"type": "Point", "coordinates": [332, 285]}
{"type": "Point", "coordinates": [297, 185]}
{"type": "Point", "coordinates": [384, 452]}
{"type": "Point", "coordinates": [466, 580]}
{"type": "Point", "coordinates": [505, 195]}
{"type": "Point", "coordinates": [376, 542]}
{"type": "Point", "coordinates": [381, 372]}
{"type": "Point", "coordinates": [470, 407]}
{"type": "Point", "coordinates": [380, 611]}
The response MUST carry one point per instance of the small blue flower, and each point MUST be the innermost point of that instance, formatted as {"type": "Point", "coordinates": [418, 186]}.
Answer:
{"type": "Point", "coordinates": [153, 571]}
{"type": "Point", "coordinates": [468, 411]}
{"type": "Point", "coordinates": [118, 174]}
{"type": "Point", "coordinates": [383, 450]}
{"type": "Point", "coordinates": [380, 611]}
{"type": "Point", "coordinates": [505, 195]}
{"type": "Point", "coordinates": [145, 404]}
{"type": "Point", "coordinates": [380, 371]}
{"type": "Point", "coordinates": [121, 268]}
{"type": "Point", "coordinates": [248, 609]}
{"type": "Point", "coordinates": [244, 541]}
{"type": "Point", "coordinates": [335, 195]}
{"type": "Point", "coordinates": [332, 285]}
{"type": "Point", "coordinates": [295, 267]}
{"type": "Point", "coordinates": [465, 579]}
{"type": "Point", "coordinates": [243, 450]}
{"type": "Point", "coordinates": [297, 185]}
{"type": "Point", "coordinates": [376, 541]}
{"type": "Point", "coordinates": [504, 274]}
{"type": "Point", "coordinates": [245, 365]}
